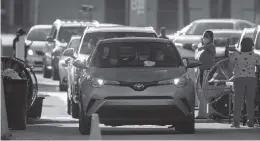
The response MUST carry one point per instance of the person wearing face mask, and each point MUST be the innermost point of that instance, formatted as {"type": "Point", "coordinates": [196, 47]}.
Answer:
{"type": "Point", "coordinates": [206, 54]}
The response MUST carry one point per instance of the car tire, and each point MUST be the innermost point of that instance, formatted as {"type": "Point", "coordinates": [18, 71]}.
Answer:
{"type": "Point", "coordinates": [62, 87]}
{"type": "Point", "coordinates": [68, 107]}
{"type": "Point", "coordinates": [186, 127]}
{"type": "Point", "coordinates": [84, 124]}
{"type": "Point", "coordinates": [55, 73]}
{"type": "Point", "coordinates": [74, 109]}
{"type": "Point", "coordinates": [46, 72]}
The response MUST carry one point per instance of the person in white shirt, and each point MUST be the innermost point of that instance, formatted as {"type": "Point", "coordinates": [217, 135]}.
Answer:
{"type": "Point", "coordinates": [245, 62]}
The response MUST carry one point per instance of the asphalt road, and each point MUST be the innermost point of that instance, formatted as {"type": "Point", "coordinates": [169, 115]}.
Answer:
{"type": "Point", "coordinates": [55, 124]}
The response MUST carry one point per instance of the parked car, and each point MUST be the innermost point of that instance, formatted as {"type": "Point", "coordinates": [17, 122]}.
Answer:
{"type": "Point", "coordinates": [192, 33]}
{"type": "Point", "coordinates": [137, 81]}
{"type": "Point", "coordinates": [88, 42]}
{"type": "Point", "coordinates": [63, 72]}
{"type": "Point", "coordinates": [36, 39]}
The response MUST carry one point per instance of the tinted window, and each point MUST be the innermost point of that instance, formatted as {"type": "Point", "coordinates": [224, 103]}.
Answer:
{"type": "Point", "coordinates": [65, 33]}
{"type": "Point", "coordinates": [91, 39]}
{"type": "Point", "coordinates": [38, 34]}
{"type": "Point", "coordinates": [199, 28]}
{"type": "Point", "coordinates": [135, 54]}
{"type": "Point", "coordinates": [74, 44]}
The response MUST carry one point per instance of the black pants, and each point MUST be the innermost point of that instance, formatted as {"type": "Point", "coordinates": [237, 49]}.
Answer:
{"type": "Point", "coordinates": [201, 75]}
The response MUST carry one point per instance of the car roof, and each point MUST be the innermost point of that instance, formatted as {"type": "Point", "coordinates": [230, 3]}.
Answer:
{"type": "Point", "coordinates": [120, 29]}
{"type": "Point", "coordinates": [135, 39]}
{"type": "Point", "coordinates": [42, 26]}
{"type": "Point", "coordinates": [219, 20]}
{"type": "Point", "coordinates": [232, 31]}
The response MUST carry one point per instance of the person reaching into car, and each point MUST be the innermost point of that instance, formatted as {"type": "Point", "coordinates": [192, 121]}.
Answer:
{"type": "Point", "coordinates": [245, 62]}
{"type": "Point", "coordinates": [206, 54]}
{"type": "Point", "coordinates": [163, 33]}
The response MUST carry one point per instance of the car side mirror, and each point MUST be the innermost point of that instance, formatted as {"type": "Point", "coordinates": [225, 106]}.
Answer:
{"type": "Point", "coordinates": [50, 39]}
{"type": "Point", "coordinates": [80, 63]}
{"type": "Point", "coordinates": [69, 52]}
{"type": "Point", "coordinates": [191, 63]}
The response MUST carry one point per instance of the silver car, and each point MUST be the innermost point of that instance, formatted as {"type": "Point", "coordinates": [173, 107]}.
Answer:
{"type": "Point", "coordinates": [36, 39]}
{"type": "Point", "coordinates": [137, 81]}
{"type": "Point", "coordinates": [63, 72]}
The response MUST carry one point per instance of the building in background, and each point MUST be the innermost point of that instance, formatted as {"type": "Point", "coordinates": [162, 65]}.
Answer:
{"type": "Point", "coordinates": [172, 14]}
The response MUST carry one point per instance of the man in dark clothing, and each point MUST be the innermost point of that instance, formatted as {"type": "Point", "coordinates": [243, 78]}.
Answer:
{"type": "Point", "coordinates": [163, 33]}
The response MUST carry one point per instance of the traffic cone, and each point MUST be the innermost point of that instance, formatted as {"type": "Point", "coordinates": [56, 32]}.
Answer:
{"type": "Point", "coordinates": [95, 132]}
{"type": "Point", "coordinates": [5, 132]}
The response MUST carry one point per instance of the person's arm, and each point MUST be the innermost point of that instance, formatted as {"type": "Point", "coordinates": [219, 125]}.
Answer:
{"type": "Point", "coordinates": [258, 62]}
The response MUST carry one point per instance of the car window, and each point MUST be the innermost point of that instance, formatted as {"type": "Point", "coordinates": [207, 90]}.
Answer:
{"type": "Point", "coordinates": [53, 32]}
{"type": "Point", "coordinates": [243, 25]}
{"type": "Point", "coordinates": [74, 44]}
{"type": "Point", "coordinates": [38, 34]}
{"type": "Point", "coordinates": [135, 54]}
{"type": "Point", "coordinates": [199, 28]}
{"type": "Point", "coordinates": [65, 33]}
{"type": "Point", "coordinates": [91, 39]}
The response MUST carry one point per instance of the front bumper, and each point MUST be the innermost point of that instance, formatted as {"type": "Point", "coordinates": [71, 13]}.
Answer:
{"type": "Point", "coordinates": [158, 105]}
{"type": "Point", "coordinates": [141, 112]}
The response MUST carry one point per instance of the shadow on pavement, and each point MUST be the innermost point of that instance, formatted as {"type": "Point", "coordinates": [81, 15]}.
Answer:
{"type": "Point", "coordinates": [66, 132]}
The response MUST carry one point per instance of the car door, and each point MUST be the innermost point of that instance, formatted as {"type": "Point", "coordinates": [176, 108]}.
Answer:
{"type": "Point", "coordinates": [50, 45]}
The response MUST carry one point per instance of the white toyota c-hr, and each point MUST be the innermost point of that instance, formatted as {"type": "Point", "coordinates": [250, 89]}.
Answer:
{"type": "Point", "coordinates": [137, 81]}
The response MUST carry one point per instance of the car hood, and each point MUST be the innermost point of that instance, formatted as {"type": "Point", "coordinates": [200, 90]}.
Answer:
{"type": "Point", "coordinates": [187, 39]}
{"type": "Point", "coordinates": [220, 52]}
{"type": "Point", "coordinates": [83, 56]}
{"type": "Point", "coordinates": [38, 45]}
{"type": "Point", "coordinates": [136, 74]}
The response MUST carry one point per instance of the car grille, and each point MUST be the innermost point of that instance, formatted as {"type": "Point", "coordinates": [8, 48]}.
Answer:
{"type": "Point", "coordinates": [41, 53]}
{"type": "Point", "coordinates": [132, 85]}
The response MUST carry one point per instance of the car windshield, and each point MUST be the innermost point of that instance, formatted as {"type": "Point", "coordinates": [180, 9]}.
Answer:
{"type": "Point", "coordinates": [135, 54]}
{"type": "Point", "coordinates": [38, 34]}
{"type": "Point", "coordinates": [65, 33]}
{"type": "Point", "coordinates": [91, 39]}
{"type": "Point", "coordinates": [199, 28]}
{"type": "Point", "coordinates": [221, 38]}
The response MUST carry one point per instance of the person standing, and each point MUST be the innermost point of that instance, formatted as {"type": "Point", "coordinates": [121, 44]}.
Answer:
{"type": "Point", "coordinates": [245, 62]}
{"type": "Point", "coordinates": [206, 54]}
{"type": "Point", "coordinates": [163, 33]}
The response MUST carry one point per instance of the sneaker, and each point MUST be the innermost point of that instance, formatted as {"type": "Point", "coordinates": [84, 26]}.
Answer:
{"type": "Point", "coordinates": [235, 125]}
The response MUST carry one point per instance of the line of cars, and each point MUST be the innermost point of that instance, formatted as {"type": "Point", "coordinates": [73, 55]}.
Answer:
{"type": "Point", "coordinates": [129, 76]}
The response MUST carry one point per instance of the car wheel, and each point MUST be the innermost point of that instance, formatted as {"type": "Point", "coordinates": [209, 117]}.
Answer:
{"type": "Point", "coordinates": [68, 106]}
{"type": "Point", "coordinates": [62, 87]}
{"type": "Point", "coordinates": [84, 124]}
{"type": "Point", "coordinates": [74, 109]}
{"type": "Point", "coordinates": [55, 73]}
{"type": "Point", "coordinates": [186, 127]}
{"type": "Point", "coordinates": [46, 72]}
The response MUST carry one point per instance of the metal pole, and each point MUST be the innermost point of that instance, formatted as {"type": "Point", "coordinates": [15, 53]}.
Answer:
{"type": "Point", "coordinates": [180, 11]}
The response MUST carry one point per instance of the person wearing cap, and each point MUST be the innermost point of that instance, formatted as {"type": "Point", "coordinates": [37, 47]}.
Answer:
{"type": "Point", "coordinates": [206, 53]}
{"type": "Point", "coordinates": [244, 64]}
{"type": "Point", "coordinates": [163, 33]}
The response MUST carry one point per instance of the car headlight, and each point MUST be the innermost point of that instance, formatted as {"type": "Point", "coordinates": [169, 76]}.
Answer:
{"type": "Point", "coordinates": [179, 82]}
{"type": "Point", "coordinates": [30, 52]}
{"type": "Point", "coordinates": [97, 82]}
{"type": "Point", "coordinates": [178, 44]}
